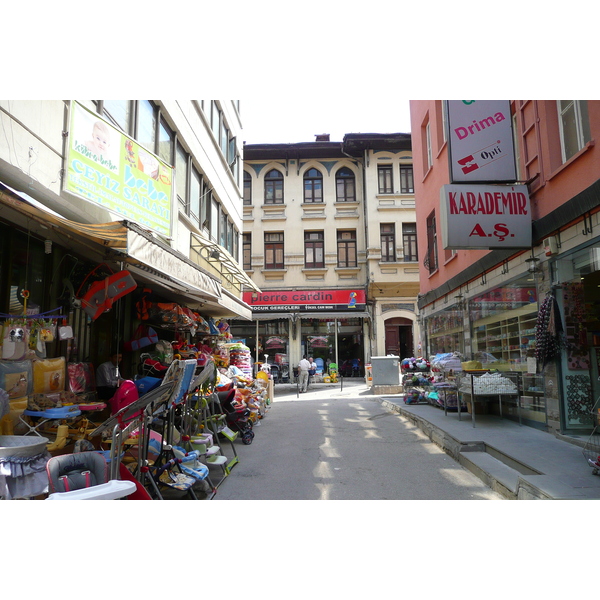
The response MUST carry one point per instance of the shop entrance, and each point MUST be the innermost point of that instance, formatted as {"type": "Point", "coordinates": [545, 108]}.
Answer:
{"type": "Point", "coordinates": [399, 337]}
{"type": "Point", "coordinates": [579, 298]}
{"type": "Point", "coordinates": [320, 340]}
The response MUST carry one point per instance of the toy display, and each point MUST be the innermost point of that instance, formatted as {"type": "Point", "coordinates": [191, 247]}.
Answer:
{"type": "Point", "coordinates": [193, 397]}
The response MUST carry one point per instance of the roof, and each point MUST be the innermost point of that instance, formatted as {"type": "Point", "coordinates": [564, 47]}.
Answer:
{"type": "Point", "coordinates": [353, 144]}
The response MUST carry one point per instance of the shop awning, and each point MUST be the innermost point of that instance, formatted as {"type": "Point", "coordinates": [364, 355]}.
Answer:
{"type": "Point", "coordinates": [106, 235]}
{"type": "Point", "coordinates": [153, 253]}
{"type": "Point", "coordinates": [150, 259]}
{"type": "Point", "coordinates": [223, 262]}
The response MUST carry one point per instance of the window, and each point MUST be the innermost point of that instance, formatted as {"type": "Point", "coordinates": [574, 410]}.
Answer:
{"type": "Point", "coordinates": [388, 242]}
{"type": "Point", "coordinates": [346, 248]}
{"type": "Point", "coordinates": [273, 187]}
{"type": "Point", "coordinates": [313, 186]}
{"type": "Point", "coordinates": [344, 185]}
{"type": "Point", "coordinates": [224, 138]}
{"type": "Point", "coordinates": [119, 112]}
{"type": "Point", "coordinates": [314, 249]}
{"type": "Point", "coordinates": [247, 251]}
{"type": "Point", "coordinates": [406, 179]}
{"type": "Point", "coordinates": [230, 236]}
{"type": "Point", "coordinates": [274, 251]}
{"type": "Point", "coordinates": [247, 188]}
{"type": "Point", "coordinates": [440, 121]}
{"type": "Point", "coordinates": [409, 242]}
{"type": "Point", "coordinates": [426, 146]}
{"type": "Point", "coordinates": [384, 173]}
{"type": "Point", "coordinates": [574, 126]}
{"type": "Point", "coordinates": [181, 175]}
{"type": "Point", "coordinates": [215, 118]}
{"type": "Point", "coordinates": [165, 143]}
{"type": "Point", "coordinates": [223, 228]}
{"type": "Point", "coordinates": [146, 125]}
{"type": "Point", "coordinates": [431, 260]}
{"type": "Point", "coordinates": [214, 218]}
{"type": "Point", "coordinates": [195, 191]}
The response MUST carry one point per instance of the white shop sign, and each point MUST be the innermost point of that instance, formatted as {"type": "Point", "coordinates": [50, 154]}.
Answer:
{"type": "Point", "coordinates": [485, 216]}
{"type": "Point", "coordinates": [480, 138]}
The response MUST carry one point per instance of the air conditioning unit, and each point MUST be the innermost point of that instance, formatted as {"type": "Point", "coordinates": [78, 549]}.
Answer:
{"type": "Point", "coordinates": [550, 245]}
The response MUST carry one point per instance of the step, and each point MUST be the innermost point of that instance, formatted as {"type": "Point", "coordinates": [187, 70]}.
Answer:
{"type": "Point", "coordinates": [494, 473]}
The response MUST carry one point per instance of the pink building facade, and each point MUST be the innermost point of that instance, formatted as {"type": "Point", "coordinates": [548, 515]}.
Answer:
{"type": "Point", "coordinates": [530, 308]}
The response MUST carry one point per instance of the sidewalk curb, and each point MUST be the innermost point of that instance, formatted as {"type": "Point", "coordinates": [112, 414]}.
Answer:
{"type": "Point", "coordinates": [499, 476]}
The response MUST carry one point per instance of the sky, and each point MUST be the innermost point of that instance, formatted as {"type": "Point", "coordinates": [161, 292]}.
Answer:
{"type": "Point", "coordinates": [266, 121]}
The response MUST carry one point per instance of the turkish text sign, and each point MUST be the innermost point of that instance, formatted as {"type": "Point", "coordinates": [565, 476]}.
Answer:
{"type": "Point", "coordinates": [480, 138]}
{"type": "Point", "coordinates": [485, 216]}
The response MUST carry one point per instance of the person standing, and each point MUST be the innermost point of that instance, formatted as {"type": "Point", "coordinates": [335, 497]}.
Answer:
{"type": "Point", "coordinates": [108, 377]}
{"type": "Point", "coordinates": [303, 368]}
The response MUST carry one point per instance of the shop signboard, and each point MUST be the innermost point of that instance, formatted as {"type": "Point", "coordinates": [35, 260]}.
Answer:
{"type": "Point", "coordinates": [306, 300]}
{"type": "Point", "coordinates": [485, 216]}
{"type": "Point", "coordinates": [108, 168]}
{"type": "Point", "coordinates": [480, 137]}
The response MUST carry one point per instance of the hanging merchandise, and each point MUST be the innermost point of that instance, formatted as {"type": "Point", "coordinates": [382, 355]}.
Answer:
{"type": "Point", "coordinates": [15, 339]}
{"type": "Point", "coordinates": [81, 378]}
{"type": "Point", "coordinates": [49, 375]}
{"type": "Point", "coordinates": [143, 336]}
{"type": "Point", "coordinates": [549, 333]}
{"type": "Point", "coordinates": [101, 295]}
{"type": "Point", "coordinates": [16, 378]}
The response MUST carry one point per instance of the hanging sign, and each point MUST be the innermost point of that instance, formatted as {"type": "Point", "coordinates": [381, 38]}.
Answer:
{"type": "Point", "coordinates": [485, 216]}
{"type": "Point", "coordinates": [108, 168]}
{"type": "Point", "coordinates": [480, 140]}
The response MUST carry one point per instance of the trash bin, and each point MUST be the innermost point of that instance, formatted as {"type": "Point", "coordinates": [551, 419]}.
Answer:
{"type": "Point", "coordinates": [386, 370]}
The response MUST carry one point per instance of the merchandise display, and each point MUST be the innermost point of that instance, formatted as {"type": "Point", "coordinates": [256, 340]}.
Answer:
{"type": "Point", "coordinates": [192, 399]}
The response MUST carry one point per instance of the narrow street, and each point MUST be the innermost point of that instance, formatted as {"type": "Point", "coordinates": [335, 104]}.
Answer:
{"type": "Point", "coordinates": [339, 448]}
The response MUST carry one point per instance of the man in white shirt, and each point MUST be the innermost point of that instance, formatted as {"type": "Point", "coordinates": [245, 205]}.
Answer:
{"type": "Point", "coordinates": [303, 368]}
{"type": "Point", "coordinates": [108, 378]}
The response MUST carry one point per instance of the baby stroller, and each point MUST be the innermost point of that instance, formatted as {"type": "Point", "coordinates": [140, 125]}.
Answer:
{"type": "Point", "coordinates": [236, 418]}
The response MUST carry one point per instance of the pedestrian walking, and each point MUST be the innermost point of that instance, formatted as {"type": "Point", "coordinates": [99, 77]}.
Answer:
{"type": "Point", "coordinates": [303, 368]}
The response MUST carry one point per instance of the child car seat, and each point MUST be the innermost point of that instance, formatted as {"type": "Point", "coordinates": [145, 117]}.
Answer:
{"type": "Point", "coordinates": [83, 476]}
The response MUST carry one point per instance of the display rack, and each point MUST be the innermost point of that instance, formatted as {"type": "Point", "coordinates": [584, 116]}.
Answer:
{"type": "Point", "coordinates": [416, 385]}
{"type": "Point", "coordinates": [509, 340]}
{"type": "Point", "coordinates": [484, 386]}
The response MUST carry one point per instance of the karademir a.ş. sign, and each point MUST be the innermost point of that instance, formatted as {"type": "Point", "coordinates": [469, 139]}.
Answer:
{"type": "Point", "coordinates": [485, 216]}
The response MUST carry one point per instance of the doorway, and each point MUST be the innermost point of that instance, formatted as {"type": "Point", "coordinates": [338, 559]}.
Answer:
{"type": "Point", "coordinates": [399, 337]}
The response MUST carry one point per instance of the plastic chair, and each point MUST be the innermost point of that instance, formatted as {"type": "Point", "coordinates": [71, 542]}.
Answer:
{"type": "Point", "coordinates": [355, 367]}
{"type": "Point", "coordinates": [83, 476]}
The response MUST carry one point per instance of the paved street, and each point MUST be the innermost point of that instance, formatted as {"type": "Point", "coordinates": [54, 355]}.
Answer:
{"type": "Point", "coordinates": [324, 447]}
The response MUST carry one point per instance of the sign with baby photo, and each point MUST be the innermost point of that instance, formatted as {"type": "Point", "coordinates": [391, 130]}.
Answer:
{"type": "Point", "coordinates": [107, 167]}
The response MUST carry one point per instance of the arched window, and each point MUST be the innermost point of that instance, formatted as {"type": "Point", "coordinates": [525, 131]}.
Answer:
{"type": "Point", "coordinates": [313, 186]}
{"type": "Point", "coordinates": [247, 188]}
{"type": "Point", "coordinates": [273, 187]}
{"type": "Point", "coordinates": [345, 185]}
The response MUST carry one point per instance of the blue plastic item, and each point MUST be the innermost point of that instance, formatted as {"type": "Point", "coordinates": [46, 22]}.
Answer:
{"type": "Point", "coordinates": [146, 384]}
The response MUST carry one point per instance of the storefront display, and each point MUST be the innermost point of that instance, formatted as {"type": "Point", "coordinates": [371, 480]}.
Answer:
{"type": "Point", "coordinates": [503, 327]}
{"type": "Point", "coordinates": [445, 331]}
